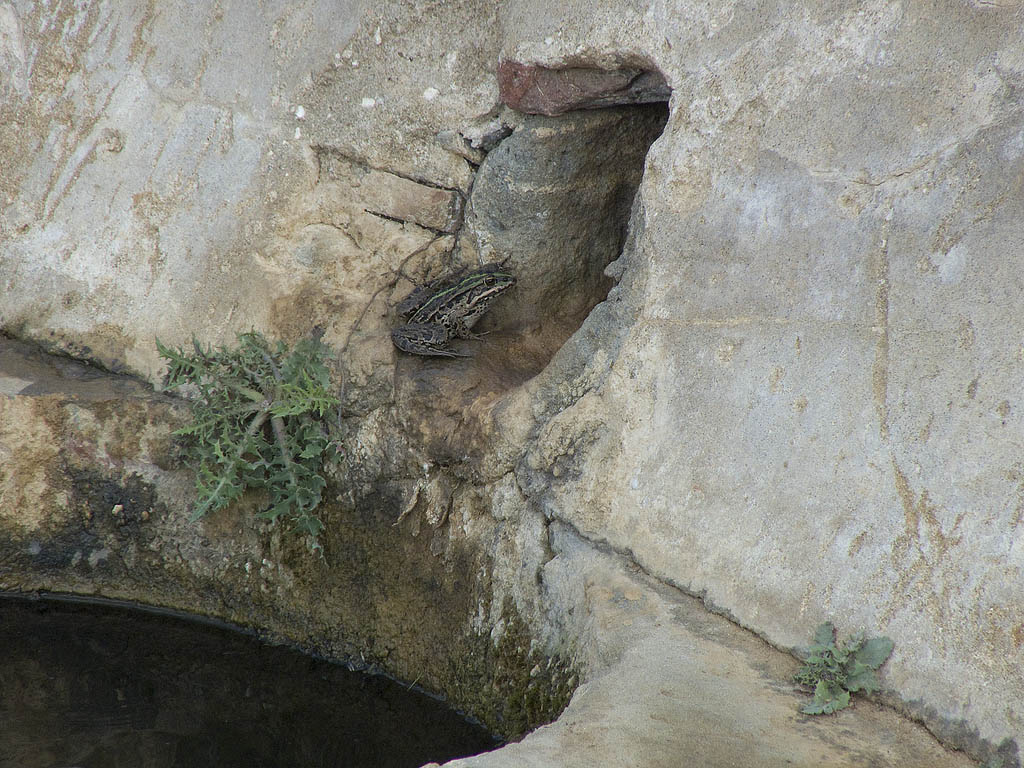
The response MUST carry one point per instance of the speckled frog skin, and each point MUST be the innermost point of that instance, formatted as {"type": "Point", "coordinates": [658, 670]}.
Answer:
{"type": "Point", "coordinates": [447, 308]}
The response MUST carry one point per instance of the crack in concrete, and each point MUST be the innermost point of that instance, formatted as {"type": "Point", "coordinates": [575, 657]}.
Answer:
{"type": "Point", "coordinates": [865, 180]}
{"type": "Point", "coordinates": [322, 150]}
{"type": "Point", "coordinates": [436, 230]}
{"type": "Point", "coordinates": [632, 563]}
{"type": "Point", "coordinates": [879, 267]}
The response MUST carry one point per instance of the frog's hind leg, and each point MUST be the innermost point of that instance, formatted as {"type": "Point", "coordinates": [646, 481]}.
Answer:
{"type": "Point", "coordinates": [423, 339]}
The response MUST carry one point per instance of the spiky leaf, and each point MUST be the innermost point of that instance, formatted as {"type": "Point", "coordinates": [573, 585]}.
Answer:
{"type": "Point", "coordinates": [235, 393]}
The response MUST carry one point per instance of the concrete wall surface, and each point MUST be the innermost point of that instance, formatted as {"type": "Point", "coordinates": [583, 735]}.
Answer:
{"type": "Point", "coordinates": [800, 401]}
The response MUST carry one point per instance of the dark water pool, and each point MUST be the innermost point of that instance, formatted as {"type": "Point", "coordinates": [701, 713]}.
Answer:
{"type": "Point", "coordinates": [99, 686]}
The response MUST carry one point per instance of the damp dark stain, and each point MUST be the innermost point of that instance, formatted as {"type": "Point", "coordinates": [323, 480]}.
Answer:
{"type": "Point", "coordinates": [98, 685]}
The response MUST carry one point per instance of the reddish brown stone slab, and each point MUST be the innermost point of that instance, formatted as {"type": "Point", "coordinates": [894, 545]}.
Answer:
{"type": "Point", "coordinates": [542, 91]}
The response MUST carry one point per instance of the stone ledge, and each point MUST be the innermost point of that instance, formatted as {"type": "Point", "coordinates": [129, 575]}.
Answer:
{"type": "Point", "coordinates": [662, 677]}
{"type": "Point", "coordinates": [673, 684]}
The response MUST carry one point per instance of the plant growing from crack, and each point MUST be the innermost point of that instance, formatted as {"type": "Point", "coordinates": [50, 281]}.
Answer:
{"type": "Point", "coordinates": [260, 420]}
{"type": "Point", "coordinates": [835, 671]}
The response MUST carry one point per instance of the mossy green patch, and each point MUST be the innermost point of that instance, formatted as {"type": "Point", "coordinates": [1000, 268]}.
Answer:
{"type": "Point", "coordinates": [520, 686]}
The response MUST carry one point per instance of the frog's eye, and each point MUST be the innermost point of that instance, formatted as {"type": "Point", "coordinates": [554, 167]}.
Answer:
{"type": "Point", "coordinates": [489, 280]}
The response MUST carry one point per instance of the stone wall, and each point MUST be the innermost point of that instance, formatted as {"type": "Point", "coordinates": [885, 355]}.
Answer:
{"type": "Point", "coordinates": [797, 402]}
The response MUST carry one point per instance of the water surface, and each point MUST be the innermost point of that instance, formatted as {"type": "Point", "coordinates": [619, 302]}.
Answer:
{"type": "Point", "coordinates": [99, 686]}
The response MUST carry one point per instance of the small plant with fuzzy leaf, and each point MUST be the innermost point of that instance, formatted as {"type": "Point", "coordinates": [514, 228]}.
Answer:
{"type": "Point", "coordinates": [260, 420]}
{"type": "Point", "coordinates": [835, 671]}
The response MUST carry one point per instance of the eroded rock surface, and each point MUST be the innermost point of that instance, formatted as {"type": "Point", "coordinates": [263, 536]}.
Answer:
{"type": "Point", "coordinates": [799, 401]}
{"type": "Point", "coordinates": [675, 685]}
{"type": "Point", "coordinates": [94, 502]}
{"type": "Point", "coordinates": [663, 677]}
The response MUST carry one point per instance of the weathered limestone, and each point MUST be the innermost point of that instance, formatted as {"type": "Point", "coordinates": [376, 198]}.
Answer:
{"type": "Point", "coordinates": [136, 172]}
{"type": "Point", "coordinates": [799, 401]}
{"type": "Point", "coordinates": [92, 501]}
{"type": "Point", "coordinates": [679, 686]}
{"type": "Point", "coordinates": [664, 678]}
{"type": "Point", "coordinates": [825, 365]}
{"type": "Point", "coordinates": [394, 197]}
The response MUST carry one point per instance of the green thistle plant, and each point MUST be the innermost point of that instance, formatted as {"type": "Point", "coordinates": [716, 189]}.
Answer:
{"type": "Point", "coordinates": [260, 416]}
{"type": "Point", "coordinates": [836, 671]}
